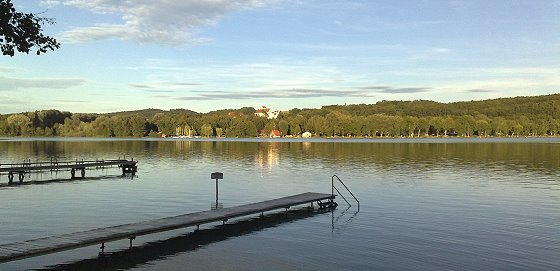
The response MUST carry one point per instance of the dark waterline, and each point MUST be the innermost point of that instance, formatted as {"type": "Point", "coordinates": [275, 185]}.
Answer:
{"type": "Point", "coordinates": [440, 205]}
{"type": "Point", "coordinates": [299, 139]}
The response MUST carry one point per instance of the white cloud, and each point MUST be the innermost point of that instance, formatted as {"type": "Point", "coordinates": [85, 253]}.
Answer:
{"type": "Point", "coordinates": [169, 22]}
{"type": "Point", "coordinates": [8, 83]}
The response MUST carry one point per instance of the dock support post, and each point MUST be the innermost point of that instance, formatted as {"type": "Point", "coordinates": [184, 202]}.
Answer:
{"type": "Point", "coordinates": [10, 177]}
{"type": "Point", "coordinates": [216, 193]}
{"type": "Point", "coordinates": [83, 172]}
{"type": "Point", "coordinates": [73, 173]}
{"type": "Point", "coordinates": [130, 239]}
{"type": "Point", "coordinates": [102, 248]}
{"type": "Point", "coordinates": [21, 177]}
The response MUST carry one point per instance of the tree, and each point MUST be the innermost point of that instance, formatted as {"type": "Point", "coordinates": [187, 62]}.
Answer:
{"type": "Point", "coordinates": [102, 127]}
{"type": "Point", "coordinates": [283, 126]}
{"type": "Point", "coordinates": [138, 125]}
{"type": "Point", "coordinates": [295, 128]}
{"type": "Point", "coordinates": [23, 31]}
{"type": "Point", "coordinates": [219, 132]}
{"type": "Point", "coordinates": [18, 125]}
{"type": "Point", "coordinates": [206, 130]}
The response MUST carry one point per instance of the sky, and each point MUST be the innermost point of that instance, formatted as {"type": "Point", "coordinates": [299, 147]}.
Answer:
{"type": "Point", "coordinates": [205, 55]}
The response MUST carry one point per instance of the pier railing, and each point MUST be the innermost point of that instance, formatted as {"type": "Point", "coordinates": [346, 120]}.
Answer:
{"type": "Point", "coordinates": [333, 188]}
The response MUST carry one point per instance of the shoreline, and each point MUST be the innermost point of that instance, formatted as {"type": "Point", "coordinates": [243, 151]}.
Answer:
{"type": "Point", "coordinates": [550, 139]}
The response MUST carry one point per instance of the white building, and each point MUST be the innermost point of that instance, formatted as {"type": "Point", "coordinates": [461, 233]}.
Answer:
{"type": "Point", "coordinates": [266, 112]}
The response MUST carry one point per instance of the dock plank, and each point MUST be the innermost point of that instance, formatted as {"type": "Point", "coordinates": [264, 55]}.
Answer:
{"type": "Point", "coordinates": [47, 245]}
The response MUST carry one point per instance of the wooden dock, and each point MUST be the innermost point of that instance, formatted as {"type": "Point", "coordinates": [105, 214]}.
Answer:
{"type": "Point", "coordinates": [48, 245]}
{"type": "Point", "coordinates": [20, 169]}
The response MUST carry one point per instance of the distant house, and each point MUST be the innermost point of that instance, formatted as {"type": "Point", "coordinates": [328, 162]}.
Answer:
{"type": "Point", "coordinates": [306, 134]}
{"type": "Point", "coordinates": [262, 112]}
{"type": "Point", "coordinates": [275, 133]}
{"type": "Point", "coordinates": [273, 114]}
{"type": "Point", "coordinates": [266, 113]}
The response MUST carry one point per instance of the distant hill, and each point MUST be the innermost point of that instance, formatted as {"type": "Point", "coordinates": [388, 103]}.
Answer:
{"type": "Point", "coordinates": [505, 107]}
{"type": "Point", "coordinates": [548, 105]}
{"type": "Point", "coordinates": [150, 112]}
{"type": "Point", "coordinates": [517, 116]}
{"type": "Point", "coordinates": [243, 110]}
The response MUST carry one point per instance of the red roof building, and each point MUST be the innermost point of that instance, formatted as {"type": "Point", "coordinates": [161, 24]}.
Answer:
{"type": "Point", "coordinates": [275, 133]}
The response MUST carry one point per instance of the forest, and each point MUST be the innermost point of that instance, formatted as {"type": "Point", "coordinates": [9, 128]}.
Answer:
{"type": "Point", "coordinates": [518, 116]}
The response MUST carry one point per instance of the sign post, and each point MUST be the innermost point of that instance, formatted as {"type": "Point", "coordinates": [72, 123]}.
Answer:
{"type": "Point", "coordinates": [217, 176]}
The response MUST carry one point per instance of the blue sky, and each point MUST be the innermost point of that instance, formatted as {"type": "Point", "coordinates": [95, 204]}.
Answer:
{"type": "Point", "coordinates": [213, 54]}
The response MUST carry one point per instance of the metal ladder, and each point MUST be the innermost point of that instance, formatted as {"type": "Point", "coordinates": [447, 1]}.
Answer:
{"type": "Point", "coordinates": [333, 188]}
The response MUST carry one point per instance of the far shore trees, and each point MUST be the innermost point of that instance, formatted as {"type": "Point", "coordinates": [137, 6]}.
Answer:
{"type": "Point", "coordinates": [521, 116]}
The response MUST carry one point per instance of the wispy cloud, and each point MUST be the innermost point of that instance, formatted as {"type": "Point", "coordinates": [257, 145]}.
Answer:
{"type": "Point", "coordinates": [479, 90]}
{"type": "Point", "coordinates": [276, 94]}
{"type": "Point", "coordinates": [161, 96]}
{"type": "Point", "coordinates": [8, 83]}
{"type": "Point", "coordinates": [69, 101]}
{"type": "Point", "coordinates": [140, 86]}
{"type": "Point", "coordinates": [392, 90]}
{"type": "Point", "coordinates": [169, 22]}
{"type": "Point", "coordinates": [160, 90]}
{"type": "Point", "coordinates": [9, 101]}
{"type": "Point", "coordinates": [163, 85]}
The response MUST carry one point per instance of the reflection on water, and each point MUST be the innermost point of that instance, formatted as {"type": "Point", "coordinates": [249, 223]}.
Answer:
{"type": "Point", "coordinates": [541, 156]}
{"type": "Point", "coordinates": [37, 178]}
{"type": "Point", "coordinates": [268, 155]}
{"type": "Point", "coordinates": [162, 249]}
{"type": "Point", "coordinates": [425, 204]}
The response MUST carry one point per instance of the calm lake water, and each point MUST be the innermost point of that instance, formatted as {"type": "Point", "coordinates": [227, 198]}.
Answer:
{"type": "Point", "coordinates": [425, 204]}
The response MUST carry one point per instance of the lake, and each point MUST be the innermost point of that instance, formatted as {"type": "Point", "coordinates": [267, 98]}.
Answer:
{"type": "Point", "coordinates": [426, 204]}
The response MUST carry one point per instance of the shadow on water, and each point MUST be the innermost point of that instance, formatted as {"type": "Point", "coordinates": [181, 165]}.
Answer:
{"type": "Point", "coordinates": [66, 180]}
{"type": "Point", "coordinates": [153, 251]}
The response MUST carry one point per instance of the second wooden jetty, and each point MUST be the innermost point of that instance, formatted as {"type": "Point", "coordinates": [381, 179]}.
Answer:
{"type": "Point", "coordinates": [47, 245]}
{"type": "Point", "coordinates": [20, 169]}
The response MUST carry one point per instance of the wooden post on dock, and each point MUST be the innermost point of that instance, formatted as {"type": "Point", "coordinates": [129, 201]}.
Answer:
{"type": "Point", "coordinates": [217, 176]}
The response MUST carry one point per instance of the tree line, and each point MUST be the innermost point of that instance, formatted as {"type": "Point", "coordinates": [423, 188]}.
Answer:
{"type": "Point", "coordinates": [520, 116]}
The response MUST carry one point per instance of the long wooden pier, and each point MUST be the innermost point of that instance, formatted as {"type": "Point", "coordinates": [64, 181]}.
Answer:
{"type": "Point", "coordinates": [20, 169]}
{"type": "Point", "coordinates": [48, 245]}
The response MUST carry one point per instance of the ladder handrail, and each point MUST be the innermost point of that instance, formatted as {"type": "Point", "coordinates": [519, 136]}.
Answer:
{"type": "Point", "coordinates": [342, 196]}
{"type": "Point", "coordinates": [347, 189]}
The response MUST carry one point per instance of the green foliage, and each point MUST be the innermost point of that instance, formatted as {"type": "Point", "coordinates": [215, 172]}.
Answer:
{"type": "Point", "coordinates": [23, 31]}
{"type": "Point", "coordinates": [18, 125]}
{"type": "Point", "coordinates": [219, 132]}
{"type": "Point", "coordinates": [206, 130]}
{"type": "Point", "coordinates": [284, 127]}
{"type": "Point", "coordinates": [521, 116]}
